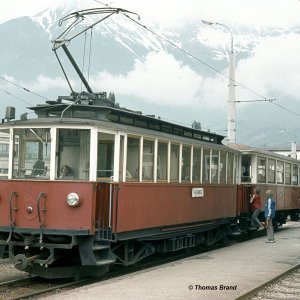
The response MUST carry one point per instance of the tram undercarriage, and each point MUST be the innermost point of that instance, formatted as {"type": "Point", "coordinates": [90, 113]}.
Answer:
{"type": "Point", "coordinates": [64, 256]}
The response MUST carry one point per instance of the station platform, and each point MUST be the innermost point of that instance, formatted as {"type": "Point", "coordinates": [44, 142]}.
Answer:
{"type": "Point", "coordinates": [223, 274]}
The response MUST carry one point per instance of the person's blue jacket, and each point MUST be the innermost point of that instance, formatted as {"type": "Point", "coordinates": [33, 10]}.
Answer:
{"type": "Point", "coordinates": [270, 208]}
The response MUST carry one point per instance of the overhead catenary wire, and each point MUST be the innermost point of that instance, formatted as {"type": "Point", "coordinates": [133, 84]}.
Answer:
{"type": "Point", "coordinates": [24, 101]}
{"type": "Point", "coordinates": [200, 60]}
{"type": "Point", "coordinates": [264, 99]}
{"type": "Point", "coordinates": [23, 88]}
{"type": "Point", "coordinates": [288, 110]}
{"type": "Point", "coordinates": [90, 54]}
{"type": "Point", "coordinates": [14, 96]}
{"type": "Point", "coordinates": [255, 100]}
{"type": "Point", "coordinates": [83, 57]}
{"type": "Point", "coordinates": [187, 52]}
{"type": "Point", "coordinates": [271, 101]}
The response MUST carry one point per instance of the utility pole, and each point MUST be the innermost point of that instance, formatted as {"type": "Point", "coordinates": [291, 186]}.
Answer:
{"type": "Point", "coordinates": [231, 119]}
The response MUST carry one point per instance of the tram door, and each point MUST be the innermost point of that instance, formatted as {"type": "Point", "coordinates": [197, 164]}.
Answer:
{"type": "Point", "coordinates": [244, 194]}
{"type": "Point", "coordinates": [105, 190]}
{"type": "Point", "coordinates": [110, 166]}
{"type": "Point", "coordinates": [245, 189]}
{"type": "Point", "coordinates": [105, 157]}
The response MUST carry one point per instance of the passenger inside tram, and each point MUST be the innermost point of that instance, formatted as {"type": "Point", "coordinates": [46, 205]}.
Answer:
{"type": "Point", "coordinates": [73, 148]}
{"type": "Point", "coordinates": [38, 168]}
{"type": "Point", "coordinates": [186, 174]}
{"type": "Point", "coordinates": [66, 172]}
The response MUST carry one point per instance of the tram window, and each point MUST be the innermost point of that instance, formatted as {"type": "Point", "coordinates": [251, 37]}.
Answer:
{"type": "Point", "coordinates": [261, 169]}
{"type": "Point", "coordinates": [140, 123]}
{"type": "Point", "coordinates": [114, 118]}
{"type": "Point", "coordinates": [73, 150]}
{"type": "Point", "coordinates": [162, 161]}
{"type": "Point", "coordinates": [126, 120]}
{"type": "Point", "coordinates": [215, 166]}
{"type": "Point", "coordinates": [174, 169]}
{"type": "Point", "coordinates": [177, 131]}
{"type": "Point", "coordinates": [295, 174]}
{"type": "Point", "coordinates": [271, 170]}
{"type": "Point", "coordinates": [166, 128]}
{"type": "Point", "coordinates": [133, 158]}
{"type": "Point", "coordinates": [4, 148]}
{"type": "Point", "coordinates": [188, 134]}
{"type": "Point", "coordinates": [154, 126]}
{"type": "Point", "coordinates": [84, 114]}
{"type": "Point", "coordinates": [288, 173]}
{"type": "Point", "coordinates": [206, 166]}
{"type": "Point", "coordinates": [148, 159]}
{"type": "Point", "coordinates": [4, 152]}
{"type": "Point", "coordinates": [196, 164]}
{"type": "Point", "coordinates": [235, 159]}
{"type": "Point", "coordinates": [222, 167]}
{"type": "Point", "coordinates": [105, 165]}
{"type": "Point", "coordinates": [279, 171]}
{"type": "Point", "coordinates": [186, 163]}
{"type": "Point", "coordinates": [32, 153]}
{"type": "Point", "coordinates": [197, 136]}
{"type": "Point", "coordinates": [246, 168]}
{"type": "Point", "coordinates": [230, 172]}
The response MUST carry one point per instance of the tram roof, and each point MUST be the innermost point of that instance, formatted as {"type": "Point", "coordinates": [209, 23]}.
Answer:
{"type": "Point", "coordinates": [245, 149]}
{"type": "Point", "coordinates": [98, 107]}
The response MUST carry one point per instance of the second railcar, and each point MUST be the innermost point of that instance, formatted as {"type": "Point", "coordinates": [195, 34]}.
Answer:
{"type": "Point", "coordinates": [268, 170]}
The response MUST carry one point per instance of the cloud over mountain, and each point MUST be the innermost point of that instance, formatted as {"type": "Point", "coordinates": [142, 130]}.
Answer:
{"type": "Point", "coordinates": [152, 75]}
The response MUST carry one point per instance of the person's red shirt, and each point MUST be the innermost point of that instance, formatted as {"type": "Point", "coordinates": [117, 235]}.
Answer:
{"type": "Point", "coordinates": [256, 202]}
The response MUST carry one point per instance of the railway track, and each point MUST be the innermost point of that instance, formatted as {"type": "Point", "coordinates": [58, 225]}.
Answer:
{"type": "Point", "coordinates": [285, 286]}
{"type": "Point", "coordinates": [23, 288]}
{"type": "Point", "coordinates": [29, 287]}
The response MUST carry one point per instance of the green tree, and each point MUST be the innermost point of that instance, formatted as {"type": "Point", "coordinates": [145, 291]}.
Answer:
{"type": "Point", "coordinates": [196, 125]}
{"type": "Point", "coordinates": [112, 97]}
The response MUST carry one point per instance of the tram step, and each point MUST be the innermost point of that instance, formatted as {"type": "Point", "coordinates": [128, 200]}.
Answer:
{"type": "Point", "coordinates": [100, 247]}
{"type": "Point", "coordinates": [104, 262]}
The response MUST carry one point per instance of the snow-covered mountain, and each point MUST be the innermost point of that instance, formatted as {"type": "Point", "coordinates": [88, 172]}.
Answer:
{"type": "Point", "coordinates": [146, 72]}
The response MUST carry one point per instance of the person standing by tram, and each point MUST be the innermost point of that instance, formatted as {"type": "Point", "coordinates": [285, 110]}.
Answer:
{"type": "Point", "coordinates": [256, 207]}
{"type": "Point", "coordinates": [270, 208]}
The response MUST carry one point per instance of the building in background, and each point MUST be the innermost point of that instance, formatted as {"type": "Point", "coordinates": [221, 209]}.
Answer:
{"type": "Point", "coordinates": [286, 151]}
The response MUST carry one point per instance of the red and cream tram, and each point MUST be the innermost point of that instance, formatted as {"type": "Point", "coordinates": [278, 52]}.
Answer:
{"type": "Point", "coordinates": [88, 184]}
{"type": "Point", "coordinates": [138, 185]}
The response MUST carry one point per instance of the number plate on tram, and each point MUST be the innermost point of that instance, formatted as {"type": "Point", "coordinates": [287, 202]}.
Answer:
{"type": "Point", "coordinates": [197, 192]}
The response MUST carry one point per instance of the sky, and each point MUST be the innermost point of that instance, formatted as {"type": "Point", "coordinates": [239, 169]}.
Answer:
{"type": "Point", "coordinates": [273, 67]}
{"type": "Point", "coordinates": [254, 13]}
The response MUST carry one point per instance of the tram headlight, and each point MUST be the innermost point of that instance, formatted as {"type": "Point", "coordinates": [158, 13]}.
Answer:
{"type": "Point", "coordinates": [74, 199]}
